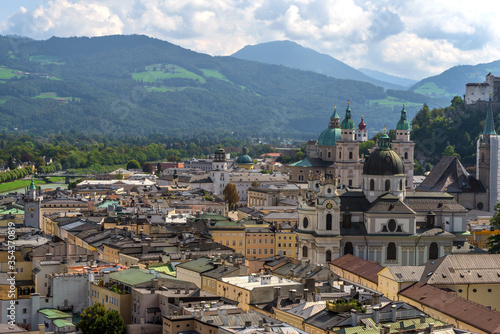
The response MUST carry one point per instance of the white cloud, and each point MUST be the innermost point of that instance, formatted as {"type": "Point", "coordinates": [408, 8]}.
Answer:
{"type": "Point", "coordinates": [391, 35]}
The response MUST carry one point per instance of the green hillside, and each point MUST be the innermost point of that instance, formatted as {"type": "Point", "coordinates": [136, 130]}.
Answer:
{"type": "Point", "coordinates": [139, 85]}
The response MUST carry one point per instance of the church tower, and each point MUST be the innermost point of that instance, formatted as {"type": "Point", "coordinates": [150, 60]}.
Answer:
{"type": "Point", "coordinates": [347, 164]}
{"type": "Point", "coordinates": [488, 153]}
{"type": "Point", "coordinates": [32, 208]}
{"type": "Point", "coordinates": [362, 131]}
{"type": "Point", "coordinates": [405, 147]}
{"type": "Point", "coordinates": [318, 227]}
{"type": "Point", "coordinates": [219, 173]}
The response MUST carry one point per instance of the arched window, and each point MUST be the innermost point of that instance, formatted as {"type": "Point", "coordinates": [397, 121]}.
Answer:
{"type": "Point", "coordinates": [350, 155]}
{"type": "Point", "coordinates": [305, 222]}
{"type": "Point", "coordinates": [433, 251]}
{"type": "Point", "coordinates": [304, 251]}
{"type": "Point", "coordinates": [387, 185]}
{"type": "Point", "coordinates": [328, 255]}
{"type": "Point", "coordinates": [340, 154]}
{"type": "Point", "coordinates": [329, 222]}
{"type": "Point", "coordinates": [372, 184]}
{"type": "Point", "coordinates": [348, 248]}
{"type": "Point", "coordinates": [400, 184]}
{"type": "Point", "coordinates": [406, 155]}
{"type": "Point", "coordinates": [391, 251]}
{"type": "Point", "coordinates": [329, 154]}
{"type": "Point", "coordinates": [482, 157]}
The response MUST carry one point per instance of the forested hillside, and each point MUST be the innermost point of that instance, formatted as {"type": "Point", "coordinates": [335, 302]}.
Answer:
{"type": "Point", "coordinates": [139, 85]}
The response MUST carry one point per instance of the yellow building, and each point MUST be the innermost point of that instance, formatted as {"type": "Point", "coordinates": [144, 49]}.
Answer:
{"type": "Point", "coordinates": [24, 282]}
{"type": "Point", "coordinates": [474, 277]}
{"type": "Point", "coordinates": [479, 237]}
{"type": "Point", "coordinates": [228, 233]}
{"type": "Point", "coordinates": [286, 244]}
{"type": "Point", "coordinates": [112, 298]}
{"type": "Point", "coordinates": [259, 242]}
{"type": "Point", "coordinates": [393, 279]}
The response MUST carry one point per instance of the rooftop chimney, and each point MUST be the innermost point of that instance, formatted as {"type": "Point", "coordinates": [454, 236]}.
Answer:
{"type": "Point", "coordinates": [354, 318]}
{"type": "Point", "coordinates": [375, 299]}
{"type": "Point", "coordinates": [393, 313]}
{"type": "Point", "coordinates": [431, 327]}
{"type": "Point", "coordinates": [292, 294]}
{"type": "Point", "coordinates": [376, 314]}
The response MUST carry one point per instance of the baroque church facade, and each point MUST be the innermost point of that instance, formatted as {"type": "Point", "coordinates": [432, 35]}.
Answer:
{"type": "Point", "coordinates": [336, 152]}
{"type": "Point", "coordinates": [382, 221]}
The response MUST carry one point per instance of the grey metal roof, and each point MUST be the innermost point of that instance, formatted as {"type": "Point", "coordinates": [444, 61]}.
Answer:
{"type": "Point", "coordinates": [463, 269]}
{"type": "Point", "coordinates": [406, 273]}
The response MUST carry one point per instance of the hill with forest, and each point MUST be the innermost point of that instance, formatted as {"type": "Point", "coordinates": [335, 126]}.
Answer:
{"type": "Point", "coordinates": [124, 85]}
{"type": "Point", "coordinates": [452, 82]}
{"type": "Point", "coordinates": [293, 55]}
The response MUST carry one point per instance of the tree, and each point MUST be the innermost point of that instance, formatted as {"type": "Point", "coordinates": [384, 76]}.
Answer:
{"type": "Point", "coordinates": [97, 320]}
{"type": "Point", "coordinates": [231, 195]}
{"type": "Point", "coordinates": [133, 164]}
{"type": "Point", "coordinates": [494, 240]}
{"type": "Point", "coordinates": [449, 151]}
{"type": "Point", "coordinates": [158, 168]}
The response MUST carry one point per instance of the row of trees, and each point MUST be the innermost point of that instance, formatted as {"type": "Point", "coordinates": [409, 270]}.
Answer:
{"type": "Point", "coordinates": [14, 174]}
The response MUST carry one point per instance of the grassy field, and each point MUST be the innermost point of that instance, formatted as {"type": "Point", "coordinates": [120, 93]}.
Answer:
{"type": "Point", "coordinates": [391, 102]}
{"type": "Point", "coordinates": [2, 101]}
{"type": "Point", "coordinates": [161, 71]}
{"type": "Point", "coordinates": [163, 89]}
{"type": "Point", "coordinates": [431, 89]}
{"type": "Point", "coordinates": [53, 95]}
{"type": "Point", "coordinates": [8, 73]}
{"type": "Point", "coordinates": [45, 59]}
{"type": "Point", "coordinates": [8, 186]}
{"type": "Point", "coordinates": [214, 74]}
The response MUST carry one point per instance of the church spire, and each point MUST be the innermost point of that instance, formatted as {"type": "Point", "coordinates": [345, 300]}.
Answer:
{"type": "Point", "coordinates": [489, 127]}
{"type": "Point", "coordinates": [347, 123]}
{"type": "Point", "coordinates": [403, 123]}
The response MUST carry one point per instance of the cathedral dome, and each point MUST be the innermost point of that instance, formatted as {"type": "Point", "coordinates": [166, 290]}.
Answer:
{"type": "Point", "coordinates": [383, 161]}
{"type": "Point", "coordinates": [329, 137]}
{"type": "Point", "coordinates": [244, 158]}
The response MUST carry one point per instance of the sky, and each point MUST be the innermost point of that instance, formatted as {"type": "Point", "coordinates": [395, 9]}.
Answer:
{"type": "Point", "coordinates": [408, 38]}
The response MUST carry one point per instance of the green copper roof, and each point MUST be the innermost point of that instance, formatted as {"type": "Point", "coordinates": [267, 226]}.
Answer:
{"type": "Point", "coordinates": [403, 124]}
{"type": "Point", "coordinates": [59, 323]}
{"type": "Point", "coordinates": [220, 149]}
{"type": "Point", "coordinates": [244, 158]}
{"type": "Point", "coordinates": [335, 115]}
{"type": "Point", "coordinates": [384, 142]}
{"type": "Point", "coordinates": [133, 276]}
{"type": "Point", "coordinates": [50, 313]}
{"type": "Point", "coordinates": [489, 127]}
{"type": "Point", "coordinates": [329, 137]}
{"type": "Point", "coordinates": [166, 269]}
{"type": "Point", "coordinates": [348, 123]}
{"type": "Point", "coordinates": [32, 185]}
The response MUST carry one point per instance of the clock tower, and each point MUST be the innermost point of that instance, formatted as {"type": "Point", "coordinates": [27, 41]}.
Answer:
{"type": "Point", "coordinates": [32, 208]}
{"type": "Point", "coordinates": [318, 227]}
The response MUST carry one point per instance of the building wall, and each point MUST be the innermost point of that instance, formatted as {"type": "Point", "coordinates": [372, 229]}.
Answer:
{"type": "Point", "coordinates": [290, 319]}
{"type": "Point", "coordinates": [70, 289]}
{"type": "Point", "coordinates": [259, 244]}
{"type": "Point", "coordinates": [231, 237]}
{"type": "Point", "coordinates": [188, 275]}
{"type": "Point", "coordinates": [286, 244]}
{"type": "Point", "coordinates": [484, 294]}
{"type": "Point", "coordinates": [112, 300]}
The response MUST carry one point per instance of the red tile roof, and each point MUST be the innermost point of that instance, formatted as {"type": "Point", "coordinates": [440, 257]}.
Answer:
{"type": "Point", "coordinates": [456, 307]}
{"type": "Point", "coordinates": [356, 265]}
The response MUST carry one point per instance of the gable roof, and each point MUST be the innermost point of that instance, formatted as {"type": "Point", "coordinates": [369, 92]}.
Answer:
{"type": "Point", "coordinates": [449, 175]}
{"type": "Point", "coordinates": [463, 269]}
{"type": "Point", "coordinates": [358, 266]}
{"type": "Point", "coordinates": [456, 307]}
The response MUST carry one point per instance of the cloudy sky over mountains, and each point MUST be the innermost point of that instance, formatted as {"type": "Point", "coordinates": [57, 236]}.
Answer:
{"type": "Point", "coordinates": [413, 39]}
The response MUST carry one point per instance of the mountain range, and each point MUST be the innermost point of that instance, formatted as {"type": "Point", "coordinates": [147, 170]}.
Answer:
{"type": "Point", "coordinates": [140, 85]}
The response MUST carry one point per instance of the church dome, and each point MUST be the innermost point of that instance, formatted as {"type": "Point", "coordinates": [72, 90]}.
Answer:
{"type": "Point", "coordinates": [383, 161]}
{"type": "Point", "coordinates": [244, 158]}
{"type": "Point", "coordinates": [329, 137]}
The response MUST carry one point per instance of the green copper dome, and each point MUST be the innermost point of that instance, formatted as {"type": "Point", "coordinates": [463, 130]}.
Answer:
{"type": "Point", "coordinates": [244, 158]}
{"type": "Point", "coordinates": [329, 137]}
{"type": "Point", "coordinates": [403, 124]}
{"type": "Point", "coordinates": [348, 123]}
